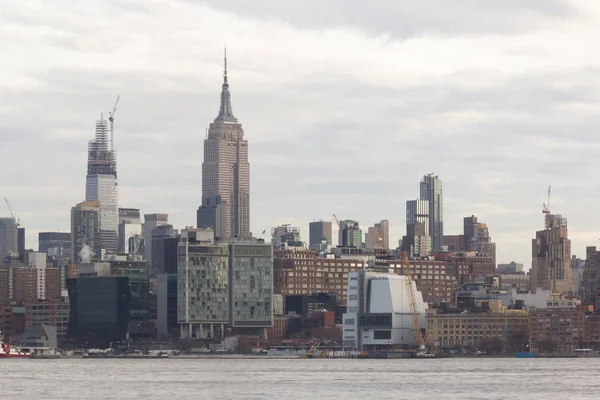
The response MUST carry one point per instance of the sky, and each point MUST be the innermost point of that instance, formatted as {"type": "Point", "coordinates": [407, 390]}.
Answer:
{"type": "Point", "coordinates": [345, 105]}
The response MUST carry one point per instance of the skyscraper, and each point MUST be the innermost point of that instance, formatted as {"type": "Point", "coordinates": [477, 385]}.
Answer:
{"type": "Point", "coordinates": [86, 225]}
{"type": "Point", "coordinates": [318, 232]}
{"type": "Point", "coordinates": [8, 237]}
{"type": "Point", "coordinates": [101, 185]}
{"type": "Point", "coordinates": [418, 211]}
{"type": "Point", "coordinates": [56, 244]}
{"type": "Point", "coordinates": [431, 190]}
{"type": "Point", "coordinates": [551, 257]}
{"type": "Point", "coordinates": [225, 170]}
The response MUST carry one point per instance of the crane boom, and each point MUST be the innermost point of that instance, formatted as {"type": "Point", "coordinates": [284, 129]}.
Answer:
{"type": "Point", "coordinates": [412, 301]}
{"type": "Point", "coordinates": [111, 119]}
{"type": "Point", "coordinates": [14, 216]}
{"type": "Point", "coordinates": [337, 221]}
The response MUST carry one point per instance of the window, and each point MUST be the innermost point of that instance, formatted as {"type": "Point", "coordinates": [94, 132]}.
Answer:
{"type": "Point", "coordinates": [353, 297]}
{"type": "Point", "coordinates": [380, 335]}
{"type": "Point", "coordinates": [349, 321]}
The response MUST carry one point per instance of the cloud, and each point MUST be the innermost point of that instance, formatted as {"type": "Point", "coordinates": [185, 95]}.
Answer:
{"type": "Point", "coordinates": [344, 108]}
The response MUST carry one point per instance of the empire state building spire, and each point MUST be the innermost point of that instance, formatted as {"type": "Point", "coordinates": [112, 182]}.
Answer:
{"type": "Point", "coordinates": [225, 111]}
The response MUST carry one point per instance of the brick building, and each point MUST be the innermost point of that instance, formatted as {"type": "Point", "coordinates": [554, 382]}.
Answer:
{"type": "Point", "coordinates": [302, 272]}
{"type": "Point", "coordinates": [559, 327]}
{"type": "Point", "coordinates": [54, 313]}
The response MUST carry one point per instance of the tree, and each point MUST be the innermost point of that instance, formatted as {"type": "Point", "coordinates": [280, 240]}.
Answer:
{"type": "Point", "coordinates": [491, 345]}
{"type": "Point", "coordinates": [517, 341]}
{"type": "Point", "coordinates": [546, 346]}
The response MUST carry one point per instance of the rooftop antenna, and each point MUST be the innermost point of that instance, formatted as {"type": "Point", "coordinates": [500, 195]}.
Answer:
{"type": "Point", "coordinates": [111, 118]}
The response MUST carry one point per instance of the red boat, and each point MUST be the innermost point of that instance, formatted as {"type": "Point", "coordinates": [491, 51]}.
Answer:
{"type": "Point", "coordinates": [6, 351]}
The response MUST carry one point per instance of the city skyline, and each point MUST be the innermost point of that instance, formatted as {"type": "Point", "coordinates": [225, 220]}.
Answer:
{"type": "Point", "coordinates": [491, 125]}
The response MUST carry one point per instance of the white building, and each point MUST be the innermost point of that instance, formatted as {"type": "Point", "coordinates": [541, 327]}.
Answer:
{"type": "Point", "coordinates": [379, 315]}
{"type": "Point", "coordinates": [38, 261]}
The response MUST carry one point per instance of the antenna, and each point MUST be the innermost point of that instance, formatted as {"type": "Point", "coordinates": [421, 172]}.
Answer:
{"type": "Point", "coordinates": [111, 118]}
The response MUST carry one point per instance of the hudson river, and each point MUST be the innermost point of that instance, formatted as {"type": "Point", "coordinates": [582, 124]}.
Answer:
{"type": "Point", "coordinates": [172, 379]}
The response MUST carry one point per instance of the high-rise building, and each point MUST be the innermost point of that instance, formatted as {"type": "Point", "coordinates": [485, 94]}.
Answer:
{"type": "Point", "coordinates": [212, 214]}
{"type": "Point", "coordinates": [551, 257]}
{"type": "Point", "coordinates": [101, 185]}
{"type": "Point", "coordinates": [86, 231]}
{"type": "Point", "coordinates": [56, 244]}
{"type": "Point", "coordinates": [225, 170]}
{"type": "Point", "coordinates": [319, 234]}
{"type": "Point", "coordinates": [431, 190]}
{"type": "Point", "coordinates": [350, 234]}
{"type": "Point", "coordinates": [130, 225]}
{"type": "Point", "coordinates": [151, 222]}
{"type": "Point", "coordinates": [239, 296]}
{"type": "Point", "coordinates": [8, 237]}
{"type": "Point", "coordinates": [378, 236]}
{"type": "Point", "coordinates": [418, 211]}
{"type": "Point", "coordinates": [477, 237]}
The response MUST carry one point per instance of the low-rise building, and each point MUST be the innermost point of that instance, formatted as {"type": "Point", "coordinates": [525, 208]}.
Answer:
{"type": "Point", "coordinates": [53, 313]}
{"type": "Point", "coordinates": [559, 327]}
{"type": "Point", "coordinates": [496, 330]}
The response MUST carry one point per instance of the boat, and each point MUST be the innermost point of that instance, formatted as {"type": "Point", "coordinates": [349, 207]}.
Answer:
{"type": "Point", "coordinates": [8, 351]}
{"type": "Point", "coordinates": [525, 354]}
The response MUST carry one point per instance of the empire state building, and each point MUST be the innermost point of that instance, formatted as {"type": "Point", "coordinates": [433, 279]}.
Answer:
{"type": "Point", "coordinates": [225, 174]}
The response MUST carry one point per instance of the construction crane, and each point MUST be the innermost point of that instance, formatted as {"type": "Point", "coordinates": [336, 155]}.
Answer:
{"type": "Point", "coordinates": [111, 119]}
{"type": "Point", "coordinates": [14, 216]}
{"type": "Point", "coordinates": [412, 302]}
{"type": "Point", "coordinates": [337, 221]}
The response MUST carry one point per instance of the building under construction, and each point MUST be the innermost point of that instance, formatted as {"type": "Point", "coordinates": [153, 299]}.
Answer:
{"type": "Point", "coordinates": [101, 182]}
{"type": "Point", "coordinates": [551, 257]}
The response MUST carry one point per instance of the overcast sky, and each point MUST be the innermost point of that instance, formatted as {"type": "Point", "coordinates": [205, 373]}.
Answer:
{"type": "Point", "coordinates": [345, 104]}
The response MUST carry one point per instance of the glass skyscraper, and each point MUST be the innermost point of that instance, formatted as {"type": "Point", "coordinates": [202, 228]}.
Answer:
{"type": "Point", "coordinates": [101, 185]}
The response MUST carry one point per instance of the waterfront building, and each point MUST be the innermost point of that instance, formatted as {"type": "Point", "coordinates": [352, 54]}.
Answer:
{"type": "Point", "coordinates": [86, 231]}
{"type": "Point", "coordinates": [223, 287]}
{"type": "Point", "coordinates": [431, 190]}
{"type": "Point", "coordinates": [101, 185]}
{"type": "Point", "coordinates": [54, 313]}
{"type": "Point", "coordinates": [496, 330]}
{"type": "Point", "coordinates": [320, 235]}
{"type": "Point", "coordinates": [56, 244]}
{"type": "Point", "coordinates": [225, 169]}
{"type": "Point", "coordinates": [551, 257]}
{"type": "Point", "coordinates": [379, 316]}
{"type": "Point", "coordinates": [350, 234]}
{"type": "Point", "coordinates": [8, 237]}
{"type": "Point", "coordinates": [559, 327]}
{"type": "Point", "coordinates": [378, 235]}
{"type": "Point", "coordinates": [99, 309]}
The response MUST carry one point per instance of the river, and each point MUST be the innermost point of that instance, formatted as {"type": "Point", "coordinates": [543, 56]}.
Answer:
{"type": "Point", "coordinates": [413, 379]}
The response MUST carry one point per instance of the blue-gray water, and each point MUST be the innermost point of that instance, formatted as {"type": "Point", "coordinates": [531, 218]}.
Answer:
{"type": "Point", "coordinates": [170, 379]}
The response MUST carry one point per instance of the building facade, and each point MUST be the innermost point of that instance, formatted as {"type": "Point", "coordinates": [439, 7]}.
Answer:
{"type": "Point", "coordinates": [130, 225]}
{"type": "Point", "coordinates": [431, 190]}
{"type": "Point", "coordinates": [350, 234]}
{"type": "Point", "coordinates": [86, 231]}
{"type": "Point", "coordinates": [151, 222]}
{"type": "Point", "coordinates": [101, 186]}
{"type": "Point", "coordinates": [223, 287]}
{"type": "Point", "coordinates": [212, 214]}
{"type": "Point", "coordinates": [379, 315]}
{"type": "Point", "coordinates": [418, 211]}
{"type": "Point", "coordinates": [225, 169]}
{"type": "Point", "coordinates": [378, 235]}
